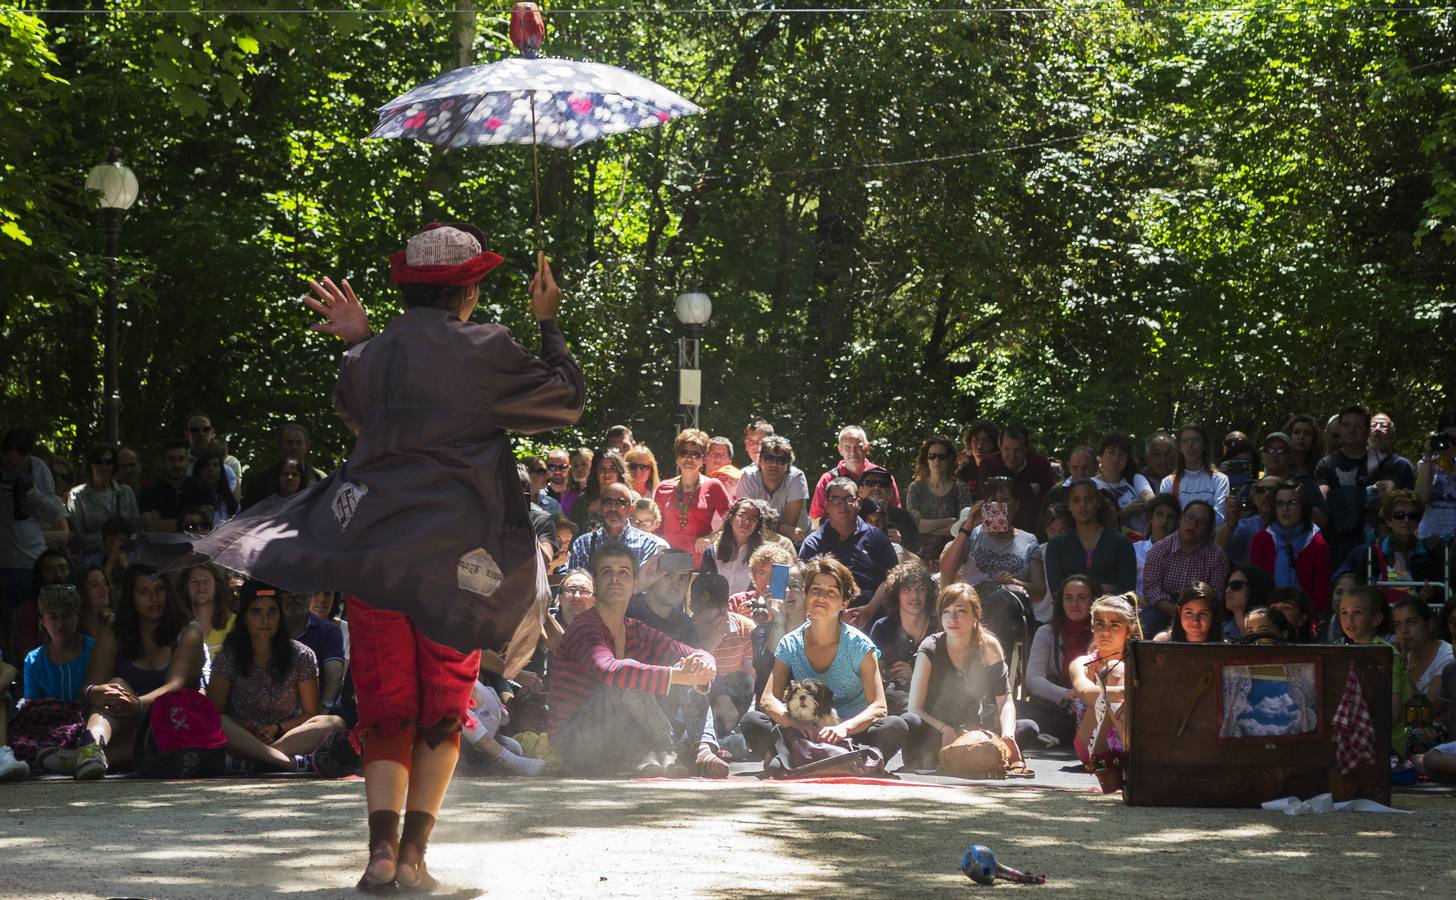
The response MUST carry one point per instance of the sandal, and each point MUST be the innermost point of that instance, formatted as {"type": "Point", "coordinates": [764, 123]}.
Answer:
{"type": "Point", "coordinates": [1019, 770]}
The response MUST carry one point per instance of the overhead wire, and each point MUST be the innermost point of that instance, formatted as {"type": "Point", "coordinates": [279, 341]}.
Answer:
{"type": "Point", "coordinates": [1090, 10]}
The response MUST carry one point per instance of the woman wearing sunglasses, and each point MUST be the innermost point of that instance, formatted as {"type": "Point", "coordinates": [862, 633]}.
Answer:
{"type": "Point", "coordinates": [692, 500]}
{"type": "Point", "coordinates": [936, 497]}
{"type": "Point", "coordinates": [1401, 555]}
{"type": "Point", "coordinates": [98, 499]}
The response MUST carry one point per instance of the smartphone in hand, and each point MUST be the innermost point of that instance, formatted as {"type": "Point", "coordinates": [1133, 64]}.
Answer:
{"type": "Point", "coordinates": [778, 582]}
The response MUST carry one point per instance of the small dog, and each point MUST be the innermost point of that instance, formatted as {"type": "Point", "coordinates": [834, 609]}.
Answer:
{"type": "Point", "coordinates": [809, 700]}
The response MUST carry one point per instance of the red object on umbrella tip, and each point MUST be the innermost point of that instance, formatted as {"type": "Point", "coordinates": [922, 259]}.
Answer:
{"type": "Point", "coordinates": [528, 29]}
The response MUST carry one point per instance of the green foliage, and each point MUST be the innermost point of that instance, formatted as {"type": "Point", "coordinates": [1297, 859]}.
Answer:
{"type": "Point", "coordinates": [1086, 219]}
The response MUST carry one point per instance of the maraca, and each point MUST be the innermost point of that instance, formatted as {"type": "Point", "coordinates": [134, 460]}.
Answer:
{"type": "Point", "coordinates": [980, 866]}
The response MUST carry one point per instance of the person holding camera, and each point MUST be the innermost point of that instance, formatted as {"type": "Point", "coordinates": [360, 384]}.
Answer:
{"type": "Point", "coordinates": [28, 506]}
{"type": "Point", "coordinates": [99, 499]}
{"type": "Point", "coordinates": [1436, 480]}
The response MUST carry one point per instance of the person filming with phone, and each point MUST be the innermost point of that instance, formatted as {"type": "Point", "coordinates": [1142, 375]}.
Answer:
{"type": "Point", "coordinates": [1436, 480]}
{"type": "Point", "coordinates": [988, 549]}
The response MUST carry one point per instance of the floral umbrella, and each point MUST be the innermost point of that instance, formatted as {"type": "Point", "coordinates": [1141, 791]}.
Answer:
{"type": "Point", "coordinates": [529, 100]}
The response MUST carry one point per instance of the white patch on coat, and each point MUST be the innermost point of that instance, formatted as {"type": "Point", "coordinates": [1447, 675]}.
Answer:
{"type": "Point", "coordinates": [346, 501]}
{"type": "Point", "coordinates": [478, 573]}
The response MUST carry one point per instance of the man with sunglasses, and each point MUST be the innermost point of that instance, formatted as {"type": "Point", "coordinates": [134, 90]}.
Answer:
{"type": "Point", "coordinates": [199, 434]}
{"type": "Point", "coordinates": [616, 501]}
{"type": "Point", "coordinates": [28, 505]}
{"type": "Point", "coordinates": [900, 526]}
{"type": "Point", "coordinates": [775, 480]}
{"type": "Point", "coordinates": [557, 493]}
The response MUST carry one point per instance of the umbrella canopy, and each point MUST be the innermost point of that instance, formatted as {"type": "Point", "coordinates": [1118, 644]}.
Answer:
{"type": "Point", "coordinates": [557, 102]}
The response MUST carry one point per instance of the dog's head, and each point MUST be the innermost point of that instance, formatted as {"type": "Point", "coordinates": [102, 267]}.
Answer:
{"type": "Point", "coordinates": [810, 700]}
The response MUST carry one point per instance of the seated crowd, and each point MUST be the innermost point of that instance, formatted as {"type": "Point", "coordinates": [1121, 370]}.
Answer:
{"type": "Point", "coordinates": [714, 612]}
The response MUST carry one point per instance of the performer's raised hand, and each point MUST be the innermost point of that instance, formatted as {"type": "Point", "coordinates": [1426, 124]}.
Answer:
{"type": "Point", "coordinates": [343, 310]}
{"type": "Point", "coordinates": [545, 295]}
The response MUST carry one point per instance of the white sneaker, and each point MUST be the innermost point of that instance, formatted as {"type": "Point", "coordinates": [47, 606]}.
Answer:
{"type": "Point", "coordinates": [12, 769]}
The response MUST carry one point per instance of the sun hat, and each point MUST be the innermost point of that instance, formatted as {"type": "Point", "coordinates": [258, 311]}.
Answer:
{"type": "Point", "coordinates": [442, 255]}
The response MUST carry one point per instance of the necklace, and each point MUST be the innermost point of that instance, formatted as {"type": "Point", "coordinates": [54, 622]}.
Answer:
{"type": "Point", "coordinates": [682, 506]}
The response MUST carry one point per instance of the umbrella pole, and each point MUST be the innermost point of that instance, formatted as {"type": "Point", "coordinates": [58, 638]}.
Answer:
{"type": "Point", "coordinates": [536, 173]}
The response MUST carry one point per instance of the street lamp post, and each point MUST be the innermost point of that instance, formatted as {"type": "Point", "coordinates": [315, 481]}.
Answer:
{"type": "Point", "coordinates": [118, 188]}
{"type": "Point", "coordinates": [693, 310]}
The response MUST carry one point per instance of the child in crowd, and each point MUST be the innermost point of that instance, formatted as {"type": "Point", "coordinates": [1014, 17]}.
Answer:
{"type": "Point", "coordinates": [51, 714]}
{"type": "Point", "coordinates": [1199, 617]}
{"type": "Point", "coordinates": [1266, 625]}
{"type": "Point", "coordinates": [1296, 608]}
{"type": "Point", "coordinates": [726, 635]}
{"type": "Point", "coordinates": [1099, 679]}
{"type": "Point", "coordinates": [1364, 613]}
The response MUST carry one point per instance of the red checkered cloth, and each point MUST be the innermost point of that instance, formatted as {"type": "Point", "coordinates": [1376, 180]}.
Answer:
{"type": "Point", "coordinates": [1354, 730]}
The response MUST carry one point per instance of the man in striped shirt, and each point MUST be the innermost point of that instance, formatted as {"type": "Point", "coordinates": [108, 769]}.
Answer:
{"type": "Point", "coordinates": [612, 703]}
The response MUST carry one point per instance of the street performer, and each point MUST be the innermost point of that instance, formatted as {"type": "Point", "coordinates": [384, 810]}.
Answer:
{"type": "Point", "coordinates": [424, 528]}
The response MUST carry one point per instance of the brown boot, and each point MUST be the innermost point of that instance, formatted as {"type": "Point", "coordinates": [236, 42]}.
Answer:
{"type": "Point", "coordinates": [379, 876]}
{"type": "Point", "coordinates": [411, 873]}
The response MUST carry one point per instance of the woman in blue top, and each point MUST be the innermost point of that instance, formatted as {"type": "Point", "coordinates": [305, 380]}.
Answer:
{"type": "Point", "coordinates": [839, 655]}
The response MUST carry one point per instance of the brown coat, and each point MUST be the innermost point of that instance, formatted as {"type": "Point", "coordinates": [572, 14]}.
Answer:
{"type": "Point", "coordinates": [428, 505]}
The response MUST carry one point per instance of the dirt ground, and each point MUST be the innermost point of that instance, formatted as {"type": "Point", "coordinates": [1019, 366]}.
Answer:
{"type": "Point", "coordinates": [673, 839]}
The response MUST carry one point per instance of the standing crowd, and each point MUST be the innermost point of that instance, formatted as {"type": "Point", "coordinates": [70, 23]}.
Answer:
{"type": "Point", "coordinates": [707, 611]}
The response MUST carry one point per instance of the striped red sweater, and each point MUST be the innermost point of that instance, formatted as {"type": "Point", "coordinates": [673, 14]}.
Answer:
{"type": "Point", "coordinates": [585, 660]}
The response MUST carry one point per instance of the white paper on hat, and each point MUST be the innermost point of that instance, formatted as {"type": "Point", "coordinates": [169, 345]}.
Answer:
{"type": "Point", "coordinates": [443, 246]}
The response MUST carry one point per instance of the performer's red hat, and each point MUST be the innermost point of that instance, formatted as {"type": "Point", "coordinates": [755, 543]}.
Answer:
{"type": "Point", "coordinates": [444, 255]}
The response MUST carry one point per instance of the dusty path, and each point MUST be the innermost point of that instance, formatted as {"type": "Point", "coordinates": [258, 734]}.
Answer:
{"type": "Point", "coordinates": [676, 839]}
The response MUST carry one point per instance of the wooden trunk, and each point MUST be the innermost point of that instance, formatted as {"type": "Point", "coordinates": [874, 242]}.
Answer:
{"type": "Point", "coordinates": [1199, 767]}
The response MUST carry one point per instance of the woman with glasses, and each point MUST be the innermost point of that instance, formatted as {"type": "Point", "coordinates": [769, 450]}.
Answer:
{"type": "Point", "coordinates": [742, 535]}
{"type": "Point", "coordinates": [691, 501]}
{"type": "Point", "coordinates": [775, 480]}
{"type": "Point", "coordinates": [1195, 478]}
{"type": "Point", "coordinates": [1292, 549]}
{"type": "Point", "coordinates": [642, 475]}
{"type": "Point", "coordinates": [98, 499]}
{"type": "Point", "coordinates": [936, 497]}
